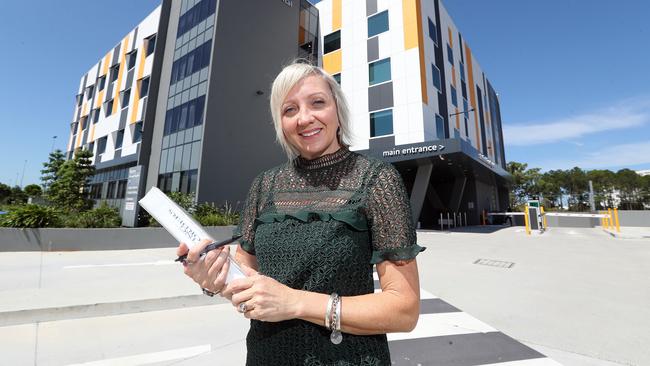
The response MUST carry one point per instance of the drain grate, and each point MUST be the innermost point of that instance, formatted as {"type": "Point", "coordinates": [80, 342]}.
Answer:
{"type": "Point", "coordinates": [494, 263]}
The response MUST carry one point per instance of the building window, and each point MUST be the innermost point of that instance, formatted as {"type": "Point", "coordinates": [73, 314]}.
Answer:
{"type": "Point", "coordinates": [461, 67]}
{"type": "Point", "coordinates": [144, 87]}
{"type": "Point", "coordinates": [194, 61]}
{"type": "Point", "coordinates": [137, 132]}
{"type": "Point", "coordinates": [337, 77]}
{"type": "Point", "coordinates": [435, 76]}
{"type": "Point", "coordinates": [440, 126]}
{"type": "Point", "coordinates": [115, 72]}
{"type": "Point", "coordinates": [332, 42]}
{"type": "Point", "coordinates": [110, 192]}
{"type": "Point", "coordinates": [186, 115]}
{"type": "Point", "coordinates": [378, 23]}
{"type": "Point", "coordinates": [91, 147]}
{"type": "Point", "coordinates": [108, 108]}
{"type": "Point", "coordinates": [151, 44]}
{"type": "Point", "coordinates": [84, 122]}
{"type": "Point", "coordinates": [80, 99]}
{"type": "Point", "coordinates": [89, 92]}
{"type": "Point", "coordinates": [381, 123]}
{"type": "Point", "coordinates": [379, 71]}
{"type": "Point", "coordinates": [101, 82]}
{"type": "Point", "coordinates": [95, 114]}
{"type": "Point", "coordinates": [119, 139]}
{"type": "Point", "coordinates": [165, 182]}
{"type": "Point", "coordinates": [121, 188]}
{"type": "Point", "coordinates": [432, 32]}
{"type": "Point", "coordinates": [130, 59]}
{"type": "Point", "coordinates": [96, 191]}
{"type": "Point", "coordinates": [75, 128]}
{"type": "Point", "coordinates": [454, 96]}
{"type": "Point", "coordinates": [450, 54]}
{"type": "Point", "coordinates": [101, 145]}
{"type": "Point", "coordinates": [126, 96]}
{"type": "Point", "coordinates": [195, 15]}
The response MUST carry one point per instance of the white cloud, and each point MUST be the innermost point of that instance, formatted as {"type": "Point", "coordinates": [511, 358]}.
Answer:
{"type": "Point", "coordinates": [616, 156]}
{"type": "Point", "coordinates": [626, 114]}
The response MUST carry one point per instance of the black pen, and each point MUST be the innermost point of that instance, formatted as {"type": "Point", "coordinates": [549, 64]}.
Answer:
{"type": "Point", "coordinates": [210, 247]}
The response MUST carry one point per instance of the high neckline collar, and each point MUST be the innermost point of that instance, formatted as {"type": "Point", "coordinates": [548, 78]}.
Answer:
{"type": "Point", "coordinates": [323, 161]}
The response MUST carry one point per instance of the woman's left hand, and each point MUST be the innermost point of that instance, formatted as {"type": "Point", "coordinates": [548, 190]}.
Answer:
{"type": "Point", "coordinates": [262, 298]}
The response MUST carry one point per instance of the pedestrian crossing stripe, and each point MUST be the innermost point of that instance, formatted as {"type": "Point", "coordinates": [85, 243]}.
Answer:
{"type": "Point", "coordinates": [447, 336]}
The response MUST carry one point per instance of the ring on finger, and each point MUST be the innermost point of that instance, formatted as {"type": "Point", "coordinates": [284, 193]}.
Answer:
{"type": "Point", "coordinates": [242, 308]}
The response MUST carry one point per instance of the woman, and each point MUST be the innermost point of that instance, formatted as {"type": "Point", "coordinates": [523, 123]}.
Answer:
{"type": "Point", "coordinates": [311, 231]}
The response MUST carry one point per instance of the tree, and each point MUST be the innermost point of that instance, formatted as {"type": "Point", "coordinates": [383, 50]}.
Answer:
{"type": "Point", "coordinates": [517, 194]}
{"type": "Point", "coordinates": [17, 196]}
{"type": "Point", "coordinates": [68, 190]}
{"type": "Point", "coordinates": [33, 190]}
{"type": "Point", "coordinates": [50, 171]}
{"type": "Point", "coordinates": [603, 182]}
{"type": "Point", "coordinates": [5, 192]}
{"type": "Point", "coordinates": [629, 183]}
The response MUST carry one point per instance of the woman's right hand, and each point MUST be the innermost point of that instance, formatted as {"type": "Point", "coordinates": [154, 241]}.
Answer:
{"type": "Point", "coordinates": [209, 272]}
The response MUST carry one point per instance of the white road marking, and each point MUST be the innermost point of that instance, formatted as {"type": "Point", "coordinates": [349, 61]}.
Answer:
{"type": "Point", "coordinates": [545, 361]}
{"type": "Point", "coordinates": [156, 263]}
{"type": "Point", "coordinates": [435, 325]}
{"type": "Point", "coordinates": [149, 358]}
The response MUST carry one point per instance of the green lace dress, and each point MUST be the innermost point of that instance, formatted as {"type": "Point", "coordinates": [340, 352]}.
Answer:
{"type": "Point", "coordinates": [320, 225]}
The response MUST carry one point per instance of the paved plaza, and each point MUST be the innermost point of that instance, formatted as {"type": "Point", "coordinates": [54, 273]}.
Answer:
{"type": "Point", "coordinates": [490, 295]}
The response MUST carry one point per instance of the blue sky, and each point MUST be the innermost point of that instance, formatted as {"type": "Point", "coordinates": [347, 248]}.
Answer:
{"type": "Point", "coordinates": [573, 76]}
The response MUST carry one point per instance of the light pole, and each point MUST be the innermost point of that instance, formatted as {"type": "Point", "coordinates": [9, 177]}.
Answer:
{"type": "Point", "coordinates": [53, 142]}
{"type": "Point", "coordinates": [23, 176]}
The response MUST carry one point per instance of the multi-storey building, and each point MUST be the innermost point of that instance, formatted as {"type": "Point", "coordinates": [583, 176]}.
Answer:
{"type": "Point", "coordinates": [420, 100]}
{"type": "Point", "coordinates": [110, 109]}
{"type": "Point", "coordinates": [182, 102]}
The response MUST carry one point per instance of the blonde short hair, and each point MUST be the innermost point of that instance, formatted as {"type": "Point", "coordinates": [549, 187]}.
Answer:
{"type": "Point", "coordinates": [285, 81]}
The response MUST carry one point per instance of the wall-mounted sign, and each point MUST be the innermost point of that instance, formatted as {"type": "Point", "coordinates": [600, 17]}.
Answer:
{"type": "Point", "coordinates": [486, 160]}
{"type": "Point", "coordinates": [412, 150]}
{"type": "Point", "coordinates": [288, 2]}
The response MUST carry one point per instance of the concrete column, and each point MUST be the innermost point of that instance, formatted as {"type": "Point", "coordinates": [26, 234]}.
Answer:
{"type": "Point", "coordinates": [419, 192]}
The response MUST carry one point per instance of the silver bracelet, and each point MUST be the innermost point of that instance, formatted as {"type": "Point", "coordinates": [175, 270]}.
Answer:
{"type": "Point", "coordinates": [328, 311]}
{"type": "Point", "coordinates": [336, 337]}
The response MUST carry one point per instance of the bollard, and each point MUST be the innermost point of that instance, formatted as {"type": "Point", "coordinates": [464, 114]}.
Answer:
{"type": "Point", "coordinates": [442, 227]}
{"type": "Point", "coordinates": [610, 222]}
{"type": "Point", "coordinates": [465, 218]}
{"type": "Point", "coordinates": [454, 219]}
{"type": "Point", "coordinates": [618, 227]}
{"type": "Point", "coordinates": [544, 216]}
{"type": "Point", "coordinates": [448, 224]}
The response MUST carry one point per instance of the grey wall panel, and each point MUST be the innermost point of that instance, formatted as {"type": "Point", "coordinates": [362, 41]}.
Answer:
{"type": "Point", "coordinates": [155, 111]}
{"type": "Point", "coordinates": [380, 96]}
{"type": "Point", "coordinates": [373, 49]}
{"type": "Point", "coordinates": [129, 78]}
{"type": "Point", "coordinates": [238, 122]}
{"type": "Point", "coordinates": [29, 240]}
{"type": "Point", "coordinates": [124, 113]}
{"type": "Point", "coordinates": [634, 218]}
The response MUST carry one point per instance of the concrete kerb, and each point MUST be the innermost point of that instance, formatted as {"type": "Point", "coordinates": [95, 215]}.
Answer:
{"type": "Point", "coordinates": [38, 315]}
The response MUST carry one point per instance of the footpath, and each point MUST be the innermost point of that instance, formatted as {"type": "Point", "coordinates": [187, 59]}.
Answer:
{"type": "Point", "coordinates": [135, 307]}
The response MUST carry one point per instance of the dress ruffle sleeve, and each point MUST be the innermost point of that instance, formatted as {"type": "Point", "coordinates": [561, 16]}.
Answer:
{"type": "Point", "coordinates": [389, 218]}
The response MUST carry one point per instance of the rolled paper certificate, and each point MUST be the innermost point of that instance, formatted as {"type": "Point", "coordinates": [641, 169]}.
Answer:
{"type": "Point", "coordinates": [181, 225]}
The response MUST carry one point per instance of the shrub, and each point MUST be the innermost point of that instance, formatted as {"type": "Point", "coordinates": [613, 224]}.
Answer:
{"type": "Point", "coordinates": [103, 216]}
{"type": "Point", "coordinates": [31, 216]}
